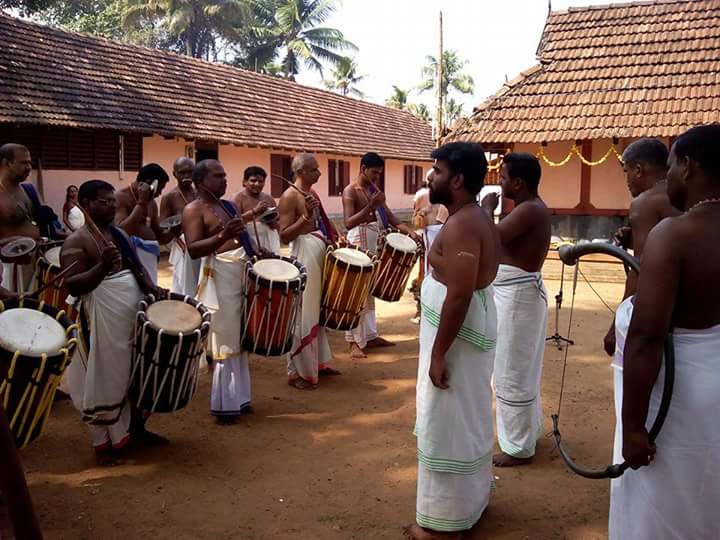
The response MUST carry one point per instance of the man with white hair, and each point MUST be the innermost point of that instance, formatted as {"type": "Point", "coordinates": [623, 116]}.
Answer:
{"type": "Point", "coordinates": [306, 227]}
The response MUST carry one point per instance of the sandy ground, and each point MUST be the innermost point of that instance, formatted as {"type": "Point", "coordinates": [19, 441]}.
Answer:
{"type": "Point", "coordinates": [335, 463]}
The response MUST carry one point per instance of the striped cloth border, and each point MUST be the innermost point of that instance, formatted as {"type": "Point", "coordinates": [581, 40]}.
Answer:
{"type": "Point", "coordinates": [447, 525]}
{"type": "Point", "coordinates": [468, 334]}
{"type": "Point", "coordinates": [453, 465]}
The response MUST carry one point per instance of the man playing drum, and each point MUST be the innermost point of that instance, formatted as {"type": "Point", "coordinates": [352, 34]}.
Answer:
{"type": "Point", "coordinates": [185, 269]}
{"type": "Point", "coordinates": [365, 211]}
{"type": "Point", "coordinates": [109, 280]}
{"type": "Point", "coordinates": [676, 493]}
{"type": "Point", "coordinates": [213, 235]}
{"type": "Point", "coordinates": [137, 214]}
{"type": "Point", "coordinates": [17, 217]}
{"type": "Point", "coordinates": [521, 302]}
{"type": "Point", "coordinates": [254, 204]}
{"type": "Point", "coordinates": [304, 225]}
{"type": "Point", "coordinates": [454, 425]}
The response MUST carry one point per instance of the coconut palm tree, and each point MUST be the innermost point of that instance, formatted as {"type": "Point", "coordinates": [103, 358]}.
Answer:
{"type": "Point", "coordinates": [345, 79]}
{"type": "Point", "coordinates": [196, 23]}
{"type": "Point", "coordinates": [453, 111]}
{"type": "Point", "coordinates": [420, 110]}
{"type": "Point", "coordinates": [398, 99]}
{"type": "Point", "coordinates": [453, 78]}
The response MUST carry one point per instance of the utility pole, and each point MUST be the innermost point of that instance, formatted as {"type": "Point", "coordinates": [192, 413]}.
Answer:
{"type": "Point", "coordinates": [441, 98]}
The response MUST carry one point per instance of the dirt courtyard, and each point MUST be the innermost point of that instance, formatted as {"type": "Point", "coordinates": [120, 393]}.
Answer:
{"type": "Point", "coordinates": [338, 462]}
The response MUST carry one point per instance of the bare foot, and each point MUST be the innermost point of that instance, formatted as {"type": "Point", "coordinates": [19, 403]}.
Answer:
{"type": "Point", "coordinates": [302, 384]}
{"type": "Point", "coordinates": [504, 460]}
{"type": "Point", "coordinates": [416, 532]}
{"type": "Point", "coordinates": [379, 342]}
{"type": "Point", "coordinates": [328, 371]}
{"type": "Point", "coordinates": [356, 353]}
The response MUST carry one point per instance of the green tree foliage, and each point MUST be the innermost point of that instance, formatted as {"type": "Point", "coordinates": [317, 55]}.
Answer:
{"type": "Point", "coordinates": [398, 99]}
{"type": "Point", "coordinates": [345, 79]}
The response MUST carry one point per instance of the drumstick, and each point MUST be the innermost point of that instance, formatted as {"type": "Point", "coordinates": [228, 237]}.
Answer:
{"type": "Point", "coordinates": [257, 236]}
{"type": "Point", "coordinates": [51, 282]}
{"type": "Point", "coordinates": [244, 238]}
{"type": "Point", "coordinates": [289, 183]}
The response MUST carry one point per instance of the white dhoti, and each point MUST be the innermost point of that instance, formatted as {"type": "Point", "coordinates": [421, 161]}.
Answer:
{"type": "Point", "coordinates": [311, 350]}
{"type": "Point", "coordinates": [268, 238]}
{"type": "Point", "coordinates": [521, 303]}
{"type": "Point", "coordinates": [429, 234]}
{"type": "Point", "coordinates": [623, 314]}
{"type": "Point", "coordinates": [186, 270]}
{"type": "Point", "coordinates": [454, 427]}
{"type": "Point", "coordinates": [365, 237]}
{"type": "Point", "coordinates": [99, 375]}
{"type": "Point", "coordinates": [17, 278]}
{"type": "Point", "coordinates": [221, 290]}
{"type": "Point", "coordinates": [148, 252]}
{"type": "Point", "coordinates": [678, 495]}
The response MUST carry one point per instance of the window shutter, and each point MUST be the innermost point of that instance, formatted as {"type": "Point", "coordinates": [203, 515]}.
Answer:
{"type": "Point", "coordinates": [133, 151]}
{"type": "Point", "coordinates": [277, 166]}
{"type": "Point", "coordinates": [418, 177]}
{"type": "Point", "coordinates": [332, 178]}
{"type": "Point", "coordinates": [54, 149]}
{"type": "Point", "coordinates": [346, 174]}
{"type": "Point", "coordinates": [106, 151]}
{"type": "Point", "coordinates": [80, 149]}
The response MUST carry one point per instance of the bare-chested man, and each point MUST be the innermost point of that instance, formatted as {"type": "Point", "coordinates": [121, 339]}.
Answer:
{"type": "Point", "coordinates": [222, 243]}
{"type": "Point", "coordinates": [253, 203]}
{"type": "Point", "coordinates": [676, 493]}
{"type": "Point", "coordinates": [454, 424]}
{"type": "Point", "coordinates": [305, 226]}
{"type": "Point", "coordinates": [137, 214]}
{"type": "Point", "coordinates": [109, 280]}
{"type": "Point", "coordinates": [186, 270]}
{"type": "Point", "coordinates": [522, 309]}
{"type": "Point", "coordinates": [365, 212]}
{"type": "Point", "coordinates": [16, 212]}
{"type": "Point", "coordinates": [645, 166]}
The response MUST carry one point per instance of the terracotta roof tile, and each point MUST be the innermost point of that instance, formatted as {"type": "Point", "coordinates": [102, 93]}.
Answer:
{"type": "Point", "coordinates": [49, 76]}
{"type": "Point", "coordinates": [622, 70]}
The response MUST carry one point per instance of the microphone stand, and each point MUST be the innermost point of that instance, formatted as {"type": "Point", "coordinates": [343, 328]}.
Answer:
{"type": "Point", "coordinates": [556, 338]}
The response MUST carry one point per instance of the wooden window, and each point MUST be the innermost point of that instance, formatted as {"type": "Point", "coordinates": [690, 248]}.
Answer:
{"type": "Point", "coordinates": [132, 151]}
{"type": "Point", "coordinates": [281, 165]}
{"type": "Point", "coordinates": [55, 149]}
{"type": "Point", "coordinates": [106, 151]}
{"type": "Point", "coordinates": [338, 176]}
{"type": "Point", "coordinates": [412, 179]}
{"type": "Point", "coordinates": [205, 150]}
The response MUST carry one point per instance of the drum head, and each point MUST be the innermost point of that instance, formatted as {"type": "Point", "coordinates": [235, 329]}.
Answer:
{"type": "Point", "coordinates": [174, 316]}
{"type": "Point", "coordinates": [401, 242]}
{"type": "Point", "coordinates": [276, 270]}
{"type": "Point", "coordinates": [31, 332]}
{"type": "Point", "coordinates": [352, 257]}
{"type": "Point", "coordinates": [52, 256]}
{"type": "Point", "coordinates": [18, 248]}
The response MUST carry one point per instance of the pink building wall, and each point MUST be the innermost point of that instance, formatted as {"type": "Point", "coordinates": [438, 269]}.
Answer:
{"type": "Point", "coordinates": [157, 149]}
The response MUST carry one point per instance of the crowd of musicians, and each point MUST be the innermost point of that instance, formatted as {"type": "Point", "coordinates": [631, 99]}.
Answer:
{"type": "Point", "coordinates": [482, 310]}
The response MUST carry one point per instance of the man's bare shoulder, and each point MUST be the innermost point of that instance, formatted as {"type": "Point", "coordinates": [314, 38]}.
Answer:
{"type": "Point", "coordinates": [350, 190]}
{"type": "Point", "coordinates": [77, 239]}
{"type": "Point", "coordinates": [266, 197]}
{"type": "Point", "coordinates": [291, 195]}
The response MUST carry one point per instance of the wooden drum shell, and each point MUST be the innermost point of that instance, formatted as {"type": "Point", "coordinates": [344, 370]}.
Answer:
{"type": "Point", "coordinates": [55, 294]}
{"type": "Point", "coordinates": [395, 267]}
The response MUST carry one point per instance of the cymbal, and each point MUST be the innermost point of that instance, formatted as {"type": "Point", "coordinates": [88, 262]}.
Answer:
{"type": "Point", "coordinates": [171, 222]}
{"type": "Point", "coordinates": [18, 248]}
{"type": "Point", "coordinates": [269, 215]}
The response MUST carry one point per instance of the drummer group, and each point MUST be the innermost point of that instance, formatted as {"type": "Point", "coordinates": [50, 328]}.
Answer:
{"type": "Point", "coordinates": [114, 252]}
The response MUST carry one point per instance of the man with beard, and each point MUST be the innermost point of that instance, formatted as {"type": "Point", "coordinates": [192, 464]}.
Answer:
{"type": "Point", "coordinates": [109, 280]}
{"type": "Point", "coordinates": [306, 227]}
{"type": "Point", "coordinates": [215, 231]}
{"type": "Point", "coordinates": [185, 269]}
{"type": "Point", "coordinates": [17, 213]}
{"type": "Point", "coordinates": [645, 167]}
{"type": "Point", "coordinates": [253, 203]}
{"type": "Point", "coordinates": [677, 492]}
{"type": "Point", "coordinates": [137, 214]}
{"type": "Point", "coordinates": [521, 302]}
{"type": "Point", "coordinates": [365, 212]}
{"type": "Point", "coordinates": [454, 424]}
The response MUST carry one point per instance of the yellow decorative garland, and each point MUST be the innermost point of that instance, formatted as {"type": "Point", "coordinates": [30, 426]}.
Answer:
{"type": "Point", "coordinates": [576, 151]}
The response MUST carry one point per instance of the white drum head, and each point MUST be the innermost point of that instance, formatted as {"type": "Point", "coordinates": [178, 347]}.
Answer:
{"type": "Point", "coordinates": [174, 316]}
{"type": "Point", "coordinates": [401, 242]}
{"type": "Point", "coordinates": [52, 256]}
{"type": "Point", "coordinates": [31, 332]}
{"type": "Point", "coordinates": [352, 257]}
{"type": "Point", "coordinates": [276, 270]}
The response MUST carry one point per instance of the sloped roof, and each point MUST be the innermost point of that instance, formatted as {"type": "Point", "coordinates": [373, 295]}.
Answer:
{"type": "Point", "coordinates": [53, 77]}
{"type": "Point", "coordinates": [622, 70]}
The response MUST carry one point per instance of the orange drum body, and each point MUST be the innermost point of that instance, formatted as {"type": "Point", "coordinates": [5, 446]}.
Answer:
{"type": "Point", "coordinates": [397, 253]}
{"type": "Point", "coordinates": [36, 344]}
{"type": "Point", "coordinates": [56, 294]}
{"type": "Point", "coordinates": [273, 292]}
{"type": "Point", "coordinates": [348, 277]}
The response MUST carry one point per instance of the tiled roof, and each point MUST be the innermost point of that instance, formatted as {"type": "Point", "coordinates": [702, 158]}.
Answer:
{"type": "Point", "coordinates": [623, 70]}
{"type": "Point", "coordinates": [53, 77]}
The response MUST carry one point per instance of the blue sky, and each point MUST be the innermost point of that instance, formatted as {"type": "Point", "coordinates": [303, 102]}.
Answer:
{"type": "Point", "coordinates": [497, 38]}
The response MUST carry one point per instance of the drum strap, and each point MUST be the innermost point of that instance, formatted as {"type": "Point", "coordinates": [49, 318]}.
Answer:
{"type": "Point", "coordinates": [127, 251]}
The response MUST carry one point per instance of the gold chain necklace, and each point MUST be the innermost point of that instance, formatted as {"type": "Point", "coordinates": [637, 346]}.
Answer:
{"type": "Point", "coordinates": [700, 203]}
